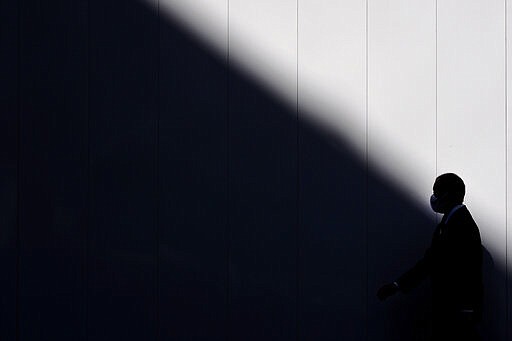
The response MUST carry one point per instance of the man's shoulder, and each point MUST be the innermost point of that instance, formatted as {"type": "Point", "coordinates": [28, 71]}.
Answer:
{"type": "Point", "coordinates": [463, 221]}
{"type": "Point", "coordinates": [461, 214]}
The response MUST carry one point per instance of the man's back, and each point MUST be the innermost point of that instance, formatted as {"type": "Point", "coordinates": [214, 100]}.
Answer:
{"type": "Point", "coordinates": [456, 269]}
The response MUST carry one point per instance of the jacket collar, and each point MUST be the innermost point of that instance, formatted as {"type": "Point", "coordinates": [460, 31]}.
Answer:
{"type": "Point", "coordinates": [448, 215]}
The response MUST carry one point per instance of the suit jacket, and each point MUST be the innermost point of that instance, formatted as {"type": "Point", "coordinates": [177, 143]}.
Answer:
{"type": "Point", "coordinates": [454, 264]}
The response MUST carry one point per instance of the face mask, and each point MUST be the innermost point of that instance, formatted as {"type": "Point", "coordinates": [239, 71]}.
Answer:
{"type": "Point", "coordinates": [435, 204]}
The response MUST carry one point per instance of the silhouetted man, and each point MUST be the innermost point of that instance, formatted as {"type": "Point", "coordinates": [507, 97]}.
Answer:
{"type": "Point", "coordinates": [454, 264]}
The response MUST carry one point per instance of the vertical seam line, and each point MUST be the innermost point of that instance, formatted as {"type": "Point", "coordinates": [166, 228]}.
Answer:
{"type": "Point", "coordinates": [366, 193]}
{"type": "Point", "coordinates": [228, 187]}
{"type": "Point", "coordinates": [297, 236]}
{"type": "Point", "coordinates": [157, 178]}
{"type": "Point", "coordinates": [507, 332]}
{"type": "Point", "coordinates": [89, 183]}
{"type": "Point", "coordinates": [18, 167]}
{"type": "Point", "coordinates": [436, 99]}
{"type": "Point", "coordinates": [436, 216]}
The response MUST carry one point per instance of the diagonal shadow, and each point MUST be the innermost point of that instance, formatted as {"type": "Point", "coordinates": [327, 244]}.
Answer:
{"type": "Point", "coordinates": [213, 211]}
{"type": "Point", "coordinates": [280, 168]}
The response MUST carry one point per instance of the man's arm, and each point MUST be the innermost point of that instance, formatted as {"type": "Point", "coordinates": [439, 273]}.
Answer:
{"type": "Point", "coordinates": [412, 278]}
{"type": "Point", "coordinates": [408, 280]}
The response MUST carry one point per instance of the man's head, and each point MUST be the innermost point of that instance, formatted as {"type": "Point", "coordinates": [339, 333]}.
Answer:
{"type": "Point", "coordinates": [449, 190]}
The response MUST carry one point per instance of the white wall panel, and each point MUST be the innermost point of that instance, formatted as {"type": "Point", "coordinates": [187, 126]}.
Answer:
{"type": "Point", "coordinates": [401, 93]}
{"type": "Point", "coordinates": [192, 160]}
{"type": "Point", "coordinates": [332, 171]}
{"type": "Point", "coordinates": [263, 169]}
{"type": "Point", "coordinates": [206, 20]}
{"type": "Point", "coordinates": [471, 128]}
{"type": "Point", "coordinates": [401, 151]}
{"type": "Point", "coordinates": [263, 43]}
{"type": "Point", "coordinates": [332, 69]}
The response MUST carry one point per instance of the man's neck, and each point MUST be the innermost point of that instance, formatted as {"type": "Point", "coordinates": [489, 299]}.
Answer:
{"type": "Point", "coordinates": [449, 214]}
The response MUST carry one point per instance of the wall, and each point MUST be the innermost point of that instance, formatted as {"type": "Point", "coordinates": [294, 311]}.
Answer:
{"type": "Point", "coordinates": [243, 170]}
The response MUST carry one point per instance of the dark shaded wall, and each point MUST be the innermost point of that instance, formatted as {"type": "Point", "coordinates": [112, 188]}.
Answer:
{"type": "Point", "coordinates": [150, 190]}
{"type": "Point", "coordinates": [9, 85]}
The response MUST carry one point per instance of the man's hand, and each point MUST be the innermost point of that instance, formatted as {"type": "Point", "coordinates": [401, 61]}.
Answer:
{"type": "Point", "coordinates": [387, 290]}
{"type": "Point", "coordinates": [467, 315]}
